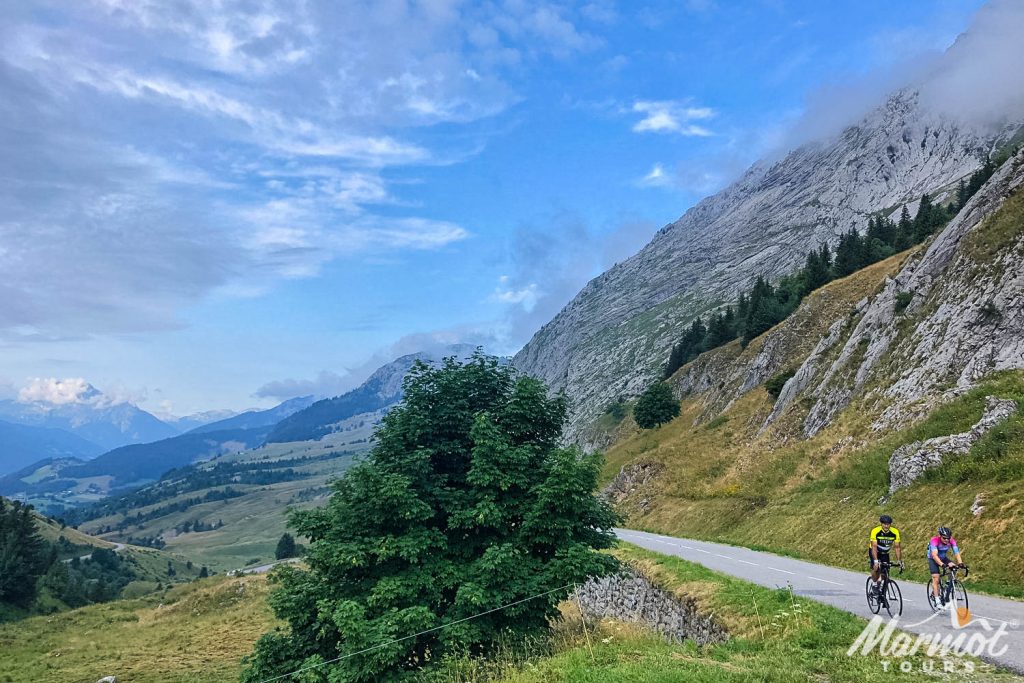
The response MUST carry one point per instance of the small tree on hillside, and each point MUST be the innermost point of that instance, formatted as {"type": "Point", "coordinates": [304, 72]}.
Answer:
{"type": "Point", "coordinates": [656, 406]}
{"type": "Point", "coordinates": [467, 506]}
{"type": "Point", "coordinates": [285, 547]}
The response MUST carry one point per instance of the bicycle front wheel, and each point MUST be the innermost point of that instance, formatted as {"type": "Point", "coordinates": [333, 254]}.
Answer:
{"type": "Point", "coordinates": [893, 599]}
{"type": "Point", "coordinates": [959, 595]}
{"type": "Point", "coordinates": [933, 601]}
{"type": "Point", "coordinates": [873, 602]}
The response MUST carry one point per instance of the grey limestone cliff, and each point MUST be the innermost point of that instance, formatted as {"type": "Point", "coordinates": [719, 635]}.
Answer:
{"type": "Point", "coordinates": [613, 338]}
{"type": "Point", "coordinates": [964, 318]}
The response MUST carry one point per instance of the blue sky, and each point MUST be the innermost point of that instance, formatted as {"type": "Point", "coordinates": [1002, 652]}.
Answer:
{"type": "Point", "coordinates": [219, 205]}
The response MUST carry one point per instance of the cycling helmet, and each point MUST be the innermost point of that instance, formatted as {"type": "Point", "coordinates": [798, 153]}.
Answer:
{"type": "Point", "coordinates": [885, 519]}
{"type": "Point", "coordinates": [945, 532]}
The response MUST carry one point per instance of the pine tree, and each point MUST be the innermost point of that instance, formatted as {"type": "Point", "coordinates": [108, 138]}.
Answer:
{"type": "Point", "coordinates": [851, 254]}
{"type": "Point", "coordinates": [924, 221]}
{"type": "Point", "coordinates": [962, 195]}
{"type": "Point", "coordinates": [816, 271]}
{"type": "Point", "coordinates": [23, 554]}
{"type": "Point", "coordinates": [763, 311]}
{"type": "Point", "coordinates": [285, 547]}
{"type": "Point", "coordinates": [904, 231]}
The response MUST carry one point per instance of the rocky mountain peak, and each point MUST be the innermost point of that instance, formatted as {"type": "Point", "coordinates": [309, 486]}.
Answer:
{"type": "Point", "coordinates": [613, 338]}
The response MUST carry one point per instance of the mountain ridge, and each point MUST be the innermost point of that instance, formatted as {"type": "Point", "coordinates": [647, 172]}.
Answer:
{"type": "Point", "coordinates": [613, 337]}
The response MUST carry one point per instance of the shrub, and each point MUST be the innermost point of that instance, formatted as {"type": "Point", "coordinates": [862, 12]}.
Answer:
{"type": "Point", "coordinates": [775, 384]}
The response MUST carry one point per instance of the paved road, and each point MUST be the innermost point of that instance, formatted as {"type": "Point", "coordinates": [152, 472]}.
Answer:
{"type": "Point", "coordinates": [844, 589]}
{"type": "Point", "coordinates": [263, 568]}
{"type": "Point", "coordinates": [118, 547]}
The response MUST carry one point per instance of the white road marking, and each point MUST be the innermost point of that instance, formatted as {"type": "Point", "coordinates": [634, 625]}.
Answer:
{"type": "Point", "coordinates": [824, 580]}
{"type": "Point", "coordinates": [1008, 623]}
{"type": "Point", "coordinates": [781, 570]}
{"type": "Point", "coordinates": [752, 564]}
{"type": "Point", "coordinates": [724, 557]}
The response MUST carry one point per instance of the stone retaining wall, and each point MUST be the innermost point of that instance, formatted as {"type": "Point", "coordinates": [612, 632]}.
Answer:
{"type": "Point", "coordinates": [630, 597]}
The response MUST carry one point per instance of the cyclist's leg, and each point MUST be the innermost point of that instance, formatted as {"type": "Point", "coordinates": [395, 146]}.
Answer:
{"type": "Point", "coordinates": [877, 573]}
{"type": "Point", "coordinates": [871, 566]}
{"type": "Point", "coordinates": [934, 568]}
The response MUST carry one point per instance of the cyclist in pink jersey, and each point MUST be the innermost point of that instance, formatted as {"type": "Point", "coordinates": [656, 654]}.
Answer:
{"type": "Point", "coordinates": [938, 551]}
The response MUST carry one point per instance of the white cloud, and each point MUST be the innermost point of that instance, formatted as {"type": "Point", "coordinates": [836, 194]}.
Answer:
{"type": "Point", "coordinates": [980, 79]}
{"type": "Point", "coordinates": [655, 178]}
{"type": "Point", "coordinates": [525, 296]}
{"type": "Point", "coordinates": [76, 390]}
{"type": "Point", "coordinates": [326, 384]}
{"type": "Point", "coordinates": [550, 265]}
{"type": "Point", "coordinates": [671, 117]}
{"type": "Point", "coordinates": [57, 391]}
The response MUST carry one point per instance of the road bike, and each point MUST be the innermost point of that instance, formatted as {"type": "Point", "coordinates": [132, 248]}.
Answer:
{"type": "Point", "coordinates": [951, 591]}
{"type": "Point", "coordinates": [888, 596]}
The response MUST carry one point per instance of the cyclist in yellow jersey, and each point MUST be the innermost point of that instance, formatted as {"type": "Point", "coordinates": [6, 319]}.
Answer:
{"type": "Point", "coordinates": [883, 539]}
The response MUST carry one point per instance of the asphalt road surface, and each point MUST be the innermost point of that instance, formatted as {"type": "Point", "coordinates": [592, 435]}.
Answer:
{"type": "Point", "coordinates": [845, 589]}
{"type": "Point", "coordinates": [118, 547]}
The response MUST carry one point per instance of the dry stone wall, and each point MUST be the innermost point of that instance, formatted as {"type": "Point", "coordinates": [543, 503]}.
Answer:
{"type": "Point", "coordinates": [630, 597]}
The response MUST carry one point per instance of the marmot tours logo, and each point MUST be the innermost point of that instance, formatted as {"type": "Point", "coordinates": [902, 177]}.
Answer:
{"type": "Point", "coordinates": [970, 638]}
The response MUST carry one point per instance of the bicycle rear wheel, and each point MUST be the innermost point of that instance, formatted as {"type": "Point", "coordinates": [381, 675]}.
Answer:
{"type": "Point", "coordinates": [869, 590]}
{"type": "Point", "coordinates": [893, 599]}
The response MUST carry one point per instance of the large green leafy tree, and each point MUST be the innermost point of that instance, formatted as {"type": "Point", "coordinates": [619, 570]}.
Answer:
{"type": "Point", "coordinates": [467, 503]}
{"type": "Point", "coordinates": [655, 406]}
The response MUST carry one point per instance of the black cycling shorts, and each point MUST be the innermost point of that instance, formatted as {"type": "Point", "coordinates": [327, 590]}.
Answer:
{"type": "Point", "coordinates": [933, 567]}
{"type": "Point", "coordinates": [882, 557]}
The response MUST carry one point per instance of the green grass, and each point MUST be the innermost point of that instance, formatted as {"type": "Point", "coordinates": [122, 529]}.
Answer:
{"type": "Point", "coordinates": [868, 469]}
{"type": "Point", "coordinates": [199, 633]}
{"type": "Point", "coordinates": [775, 637]}
{"type": "Point", "coordinates": [195, 633]}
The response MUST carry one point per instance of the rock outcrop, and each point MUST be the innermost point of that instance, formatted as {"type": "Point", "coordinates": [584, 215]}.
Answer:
{"type": "Point", "coordinates": [965, 319]}
{"type": "Point", "coordinates": [630, 478]}
{"type": "Point", "coordinates": [628, 596]}
{"type": "Point", "coordinates": [909, 462]}
{"type": "Point", "coordinates": [614, 337]}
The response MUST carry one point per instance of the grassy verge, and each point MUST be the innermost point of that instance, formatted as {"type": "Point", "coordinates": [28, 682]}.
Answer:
{"type": "Point", "coordinates": [776, 637]}
{"type": "Point", "coordinates": [194, 633]}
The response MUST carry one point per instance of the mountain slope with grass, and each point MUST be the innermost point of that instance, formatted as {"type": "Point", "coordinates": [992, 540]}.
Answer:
{"type": "Point", "coordinates": [230, 511]}
{"type": "Point", "coordinates": [856, 373]}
